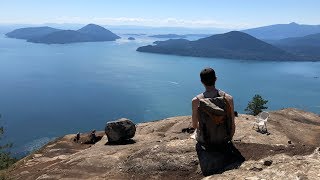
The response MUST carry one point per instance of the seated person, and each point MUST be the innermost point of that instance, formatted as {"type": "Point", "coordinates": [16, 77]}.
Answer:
{"type": "Point", "coordinates": [215, 127]}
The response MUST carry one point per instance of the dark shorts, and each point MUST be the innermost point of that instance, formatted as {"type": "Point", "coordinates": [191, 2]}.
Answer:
{"type": "Point", "coordinates": [216, 159]}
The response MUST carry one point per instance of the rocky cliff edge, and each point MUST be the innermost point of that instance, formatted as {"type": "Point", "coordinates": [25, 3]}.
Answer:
{"type": "Point", "coordinates": [161, 150]}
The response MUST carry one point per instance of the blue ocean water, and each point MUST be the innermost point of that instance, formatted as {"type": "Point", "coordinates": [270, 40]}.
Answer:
{"type": "Point", "coordinates": [47, 91]}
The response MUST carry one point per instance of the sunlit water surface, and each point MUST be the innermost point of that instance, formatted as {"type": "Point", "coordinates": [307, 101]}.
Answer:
{"type": "Point", "coordinates": [51, 90]}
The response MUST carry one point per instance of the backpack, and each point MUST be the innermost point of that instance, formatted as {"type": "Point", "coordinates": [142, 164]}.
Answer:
{"type": "Point", "coordinates": [215, 121]}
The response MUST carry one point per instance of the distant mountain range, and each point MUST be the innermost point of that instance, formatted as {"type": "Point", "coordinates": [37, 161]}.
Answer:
{"type": "Point", "coordinates": [281, 31]}
{"type": "Point", "coordinates": [275, 42]}
{"type": "Point", "coordinates": [48, 35]}
{"type": "Point", "coordinates": [309, 40]}
{"type": "Point", "coordinates": [231, 45]}
{"type": "Point", "coordinates": [168, 36]}
{"type": "Point", "coordinates": [178, 36]}
{"type": "Point", "coordinates": [307, 46]}
{"type": "Point", "coordinates": [293, 42]}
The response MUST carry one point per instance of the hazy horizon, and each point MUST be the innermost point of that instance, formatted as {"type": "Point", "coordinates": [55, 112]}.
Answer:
{"type": "Point", "coordinates": [191, 14]}
{"type": "Point", "coordinates": [127, 29]}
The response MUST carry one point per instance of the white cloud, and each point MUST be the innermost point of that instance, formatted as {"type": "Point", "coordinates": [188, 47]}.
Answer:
{"type": "Point", "coordinates": [174, 22]}
{"type": "Point", "coordinates": [168, 22]}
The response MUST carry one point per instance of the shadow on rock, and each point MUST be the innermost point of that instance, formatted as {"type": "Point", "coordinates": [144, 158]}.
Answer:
{"type": "Point", "coordinates": [123, 142]}
{"type": "Point", "coordinates": [217, 160]}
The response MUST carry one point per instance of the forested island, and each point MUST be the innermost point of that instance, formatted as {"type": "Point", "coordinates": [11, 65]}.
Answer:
{"type": "Point", "coordinates": [231, 45]}
{"type": "Point", "coordinates": [48, 35]}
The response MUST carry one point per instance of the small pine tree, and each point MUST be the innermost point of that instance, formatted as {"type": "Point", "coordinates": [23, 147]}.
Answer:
{"type": "Point", "coordinates": [5, 157]}
{"type": "Point", "coordinates": [256, 105]}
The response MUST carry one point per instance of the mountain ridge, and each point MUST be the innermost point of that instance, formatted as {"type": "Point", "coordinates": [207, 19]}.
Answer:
{"type": "Point", "coordinates": [308, 40]}
{"type": "Point", "coordinates": [98, 32]}
{"type": "Point", "coordinates": [281, 31]}
{"type": "Point", "coordinates": [168, 36]}
{"type": "Point", "coordinates": [307, 46]}
{"type": "Point", "coordinates": [230, 45]}
{"type": "Point", "coordinates": [31, 32]}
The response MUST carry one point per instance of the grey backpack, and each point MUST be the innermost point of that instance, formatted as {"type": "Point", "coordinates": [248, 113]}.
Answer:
{"type": "Point", "coordinates": [215, 121]}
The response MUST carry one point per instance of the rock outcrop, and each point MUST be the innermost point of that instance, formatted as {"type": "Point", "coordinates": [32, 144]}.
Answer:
{"type": "Point", "coordinates": [162, 151]}
{"type": "Point", "coordinates": [120, 130]}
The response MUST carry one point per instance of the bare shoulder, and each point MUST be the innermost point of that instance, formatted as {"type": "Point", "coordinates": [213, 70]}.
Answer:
{"type": "Point", "coordinates": [199, 96]}
{"type": "Point", "coordinates": [228, 96]}
{"type": "Point", "coordinates": [196, 98]}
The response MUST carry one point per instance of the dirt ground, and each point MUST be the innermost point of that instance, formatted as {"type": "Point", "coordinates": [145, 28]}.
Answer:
{"type": "Point", "coordinates": [252, 151]}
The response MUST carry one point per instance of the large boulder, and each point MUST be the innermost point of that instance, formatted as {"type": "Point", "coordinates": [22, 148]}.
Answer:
{"type": "Point", "coordinates": [120, 130]}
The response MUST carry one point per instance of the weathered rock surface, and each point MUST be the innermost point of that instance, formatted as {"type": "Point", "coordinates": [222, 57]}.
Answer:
{"type": "Point", "coordinates": [120, 130]}
{"type": "Point", "coordinates": [86, 138]}
{"type": "Point", "coordinates": [160, 150]}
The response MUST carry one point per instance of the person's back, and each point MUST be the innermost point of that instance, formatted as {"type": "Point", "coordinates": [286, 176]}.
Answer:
{"type": "Point", "coordinates": [208, 79]}
{"type": "Point", "coordinates": [213, 119]}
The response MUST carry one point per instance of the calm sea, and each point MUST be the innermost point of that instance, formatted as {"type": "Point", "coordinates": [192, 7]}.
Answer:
{"type": "Point", "coordinates": [47, 91]}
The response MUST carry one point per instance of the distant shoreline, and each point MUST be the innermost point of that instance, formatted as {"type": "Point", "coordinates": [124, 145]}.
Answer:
{"type": "Point", "coordinates": [236, 59]}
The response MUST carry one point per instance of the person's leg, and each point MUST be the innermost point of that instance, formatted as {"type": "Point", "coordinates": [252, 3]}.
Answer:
{"type": "Point", "coordinates": [234, 157]}
{"type": "Point", "coordinates": [203, 161]}
{"type": "Point", "coordinates": [210, 162]}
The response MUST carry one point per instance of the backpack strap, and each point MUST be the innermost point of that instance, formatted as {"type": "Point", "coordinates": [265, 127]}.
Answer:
{"type": "Point", "coordinates": [228, 113]}
{"type": "Point", "coordinates": [229, 116]}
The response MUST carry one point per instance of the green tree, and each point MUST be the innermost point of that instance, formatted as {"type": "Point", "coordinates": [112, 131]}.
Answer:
{"type": "Point", "coordinates": [256, 105]}
{"type": "Point", "coordinates": [5, 157]}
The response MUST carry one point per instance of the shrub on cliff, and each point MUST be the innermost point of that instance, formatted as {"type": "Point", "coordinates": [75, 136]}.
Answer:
{"type": "Point", "coordinates": [256, 105]}
{"type": "Point", "coordinates": [5, 157]}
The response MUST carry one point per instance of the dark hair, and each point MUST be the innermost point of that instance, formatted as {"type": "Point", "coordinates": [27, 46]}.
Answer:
{"type": "Point", "coordinates": [208, 76]}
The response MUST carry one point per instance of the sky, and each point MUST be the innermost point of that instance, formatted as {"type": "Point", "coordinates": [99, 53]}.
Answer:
{"type": "Point", "coordinates": [182, 13]}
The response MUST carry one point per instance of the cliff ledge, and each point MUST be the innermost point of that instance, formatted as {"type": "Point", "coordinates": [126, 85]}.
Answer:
{"type": "Point", "coordinates": [161, 150]}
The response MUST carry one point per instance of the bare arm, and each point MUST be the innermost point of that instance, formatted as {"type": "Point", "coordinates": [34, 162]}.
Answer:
{"type": "Point", "coordinates": [195, 121]}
